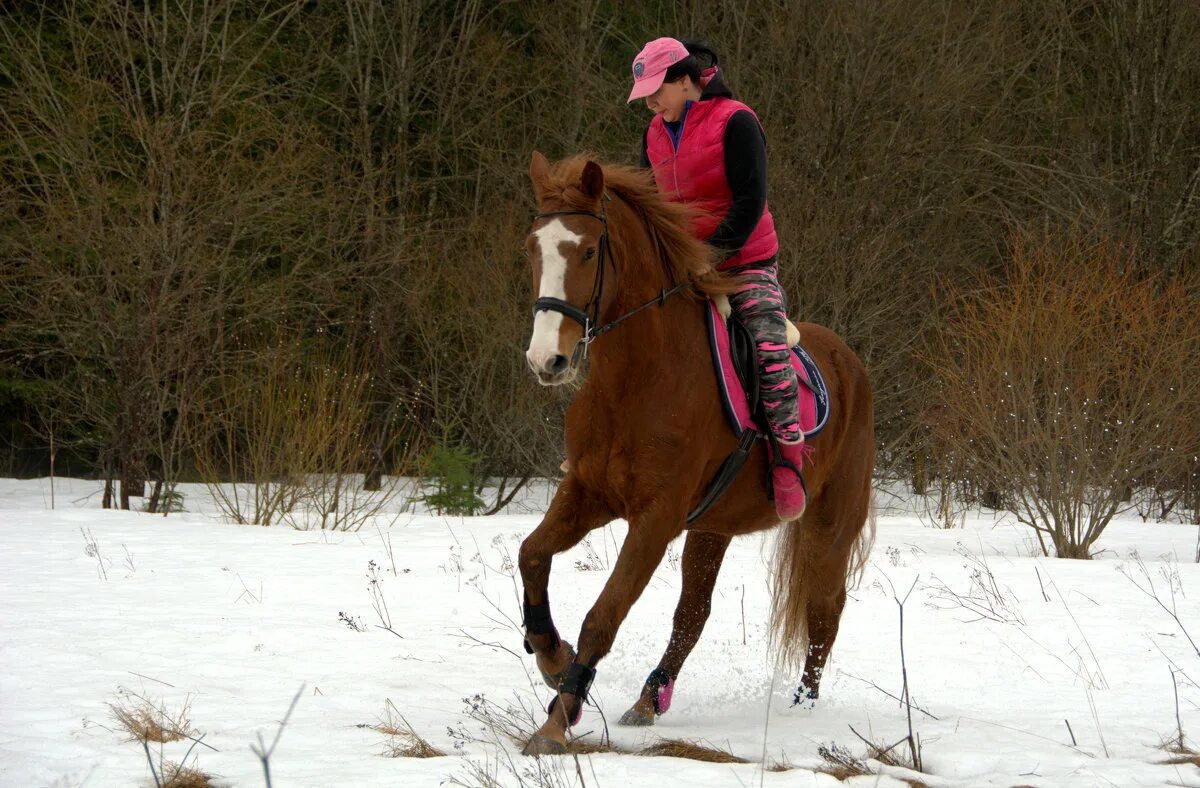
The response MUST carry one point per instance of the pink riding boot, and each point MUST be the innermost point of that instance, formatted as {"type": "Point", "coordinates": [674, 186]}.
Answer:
{"type": "Point", "coordinates": [789, 490]}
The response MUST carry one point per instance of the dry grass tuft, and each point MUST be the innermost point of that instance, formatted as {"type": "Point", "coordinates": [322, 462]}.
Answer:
{"type": "Point", "coordinates": [403, 741]}
{"type": "Point", "coordinates": [682, 748]}
{"type": "Point", "coordinates": [581, 747]}
{"type": "Point", "coordinates": [1181, 752]}
{"type": "Point", "coordinates": [840, 763]}
{"type": "Point", "coordinates": [179, 776]}
{"type": "Point", "coordinates": [891, 755]}
{"type": "Point", "coordinates": [410, 745]}
{"type": "Point", "coordinates": [516, 722]}
{"type": "Point", "coordinates": [1183, 758]}
{"type": "Point", "coordinates": [146, 722]}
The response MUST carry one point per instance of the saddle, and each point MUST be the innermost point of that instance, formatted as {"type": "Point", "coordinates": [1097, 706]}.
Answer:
{"type": "Point", "coordinates": [735, 363]}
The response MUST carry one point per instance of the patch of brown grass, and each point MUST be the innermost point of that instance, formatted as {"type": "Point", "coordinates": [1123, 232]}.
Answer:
{"type": "Point", "coordinates": [179, 776]}
{"type": "Point", "coordinates": [779, 766]}
{"type": "Point", "coordinates": [682, 748]}
{"type": "Point", "coordinates": [840, 763]}
{"type": "Point", "coordinates": [144, 721]}
{"type": "Point", "coordinates": [1181, 753]}
{"type": "Point", "coordinates": [403, 741]}
{"type": "Point", "coordinates": [410, 745]}
{"type": "Point", "coordinates": [581, 747]}
{"type": "Point", "coordinates": [892, 755]}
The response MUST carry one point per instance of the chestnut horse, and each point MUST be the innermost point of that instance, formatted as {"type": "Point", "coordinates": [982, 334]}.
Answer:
{"type": "Point", "coordinates": [617, 275]}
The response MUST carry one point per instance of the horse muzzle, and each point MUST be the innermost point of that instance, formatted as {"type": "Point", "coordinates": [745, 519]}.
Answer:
{"type": "Point", "coordinates": [552, 369]}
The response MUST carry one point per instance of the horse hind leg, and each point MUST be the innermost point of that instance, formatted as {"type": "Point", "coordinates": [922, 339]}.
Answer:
{"type": "Point", "coordinates": [702, 557]}
{"type": "Point", "coordinates": [823, 612]}
{"type": "Point", "coordinates": [836, 533]}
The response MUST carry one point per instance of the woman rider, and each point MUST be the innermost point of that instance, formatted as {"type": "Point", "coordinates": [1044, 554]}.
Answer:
{"type": "Point", "coordinates": [709, 151]}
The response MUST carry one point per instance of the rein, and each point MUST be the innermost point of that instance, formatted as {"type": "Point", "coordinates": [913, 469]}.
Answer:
{"type": "Point", "coordinates": [589, 316]}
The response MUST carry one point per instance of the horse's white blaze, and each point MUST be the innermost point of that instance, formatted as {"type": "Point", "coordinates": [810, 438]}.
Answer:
{"type": "Point", "coordinates": [544, 345]}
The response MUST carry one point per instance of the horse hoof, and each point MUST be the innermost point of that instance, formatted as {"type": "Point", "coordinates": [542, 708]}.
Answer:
{"type": "Point", "coordinates": [554, 679]}
{"type": "Point", "coordinates": [635, 719]}
{"type": "Point", "coordinates": [540, 745]}
{"type": "Point", "coordinates": [804, 699]}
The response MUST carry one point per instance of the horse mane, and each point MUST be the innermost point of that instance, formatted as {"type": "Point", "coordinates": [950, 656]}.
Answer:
{"type": "Point", "coordinates": [683, 256]}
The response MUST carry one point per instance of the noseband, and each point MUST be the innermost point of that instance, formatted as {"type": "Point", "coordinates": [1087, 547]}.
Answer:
{"type": "Point", "coordinates": [589, 317]}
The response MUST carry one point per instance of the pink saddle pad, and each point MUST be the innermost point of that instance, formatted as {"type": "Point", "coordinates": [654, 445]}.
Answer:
{"type": "Point", "coordinates": [813, 397]}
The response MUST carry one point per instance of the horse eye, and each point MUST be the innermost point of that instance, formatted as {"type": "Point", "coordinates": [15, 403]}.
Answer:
{"type": "Point", "coordinates": [589, 253]}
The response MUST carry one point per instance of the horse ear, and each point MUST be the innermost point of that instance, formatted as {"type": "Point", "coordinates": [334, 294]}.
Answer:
{"type": "Point", "coordinates": [539, 173]}
{"type": "Point", "coordinates": [592, 180]}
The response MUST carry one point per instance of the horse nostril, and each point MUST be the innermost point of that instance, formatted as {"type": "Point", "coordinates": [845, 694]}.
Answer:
{"type": "Point", "coordinates": [557, 365]}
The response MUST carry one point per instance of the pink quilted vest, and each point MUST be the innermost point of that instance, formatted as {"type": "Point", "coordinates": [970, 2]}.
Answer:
{"type": "Point", "coordinates": [695, 174]}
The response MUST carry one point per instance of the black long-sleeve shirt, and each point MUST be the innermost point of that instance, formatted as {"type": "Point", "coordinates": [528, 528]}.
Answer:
{"type": "Point", "coordinates": [746, 171]}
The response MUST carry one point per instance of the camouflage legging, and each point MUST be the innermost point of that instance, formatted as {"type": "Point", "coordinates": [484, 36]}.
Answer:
{"type": "Point", "coordinates": [761, 307]}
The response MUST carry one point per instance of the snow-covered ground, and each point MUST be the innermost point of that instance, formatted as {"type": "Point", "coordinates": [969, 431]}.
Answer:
{"type": "Point", "coordinates": [234, 620]}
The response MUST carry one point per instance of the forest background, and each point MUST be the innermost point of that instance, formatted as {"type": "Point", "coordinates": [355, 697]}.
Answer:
{"type": "Point", "coordinates": [255, 240]}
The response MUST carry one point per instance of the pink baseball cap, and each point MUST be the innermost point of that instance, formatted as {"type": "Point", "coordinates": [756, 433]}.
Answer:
{"type": "Point", "coordinates": [651, 64]}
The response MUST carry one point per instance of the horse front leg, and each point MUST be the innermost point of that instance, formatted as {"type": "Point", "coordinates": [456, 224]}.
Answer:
{"type": "Point", "coordinates": [573, 513]}
{"type": "Point", "coordinates": [641, 553]}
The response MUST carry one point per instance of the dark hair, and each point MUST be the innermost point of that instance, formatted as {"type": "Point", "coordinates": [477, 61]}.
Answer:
{"type": "Point", "coordinates": [700, 57]}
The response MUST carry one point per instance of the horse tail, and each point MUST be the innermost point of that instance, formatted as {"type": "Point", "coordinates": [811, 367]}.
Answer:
{"type": "Point", "coordinates": [860, 551]}
{"type": "Point", "coordinates": [791, 585]}
{"type": "Point", "coordinates": [815, 556]}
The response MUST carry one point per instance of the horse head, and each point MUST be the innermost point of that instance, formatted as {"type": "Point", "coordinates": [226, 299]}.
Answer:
{"type": "Point", "coordinates": [568, 249]}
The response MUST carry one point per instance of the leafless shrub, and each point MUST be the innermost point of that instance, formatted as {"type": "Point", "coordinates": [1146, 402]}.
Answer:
{"type": "Point", "coordinates": [1045, 376]}
{"type": "Point", "coordinates": [293, 426]}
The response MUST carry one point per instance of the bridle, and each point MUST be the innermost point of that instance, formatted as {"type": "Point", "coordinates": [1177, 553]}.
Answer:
{"type": "Point", "coordinates": [589, 317]}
